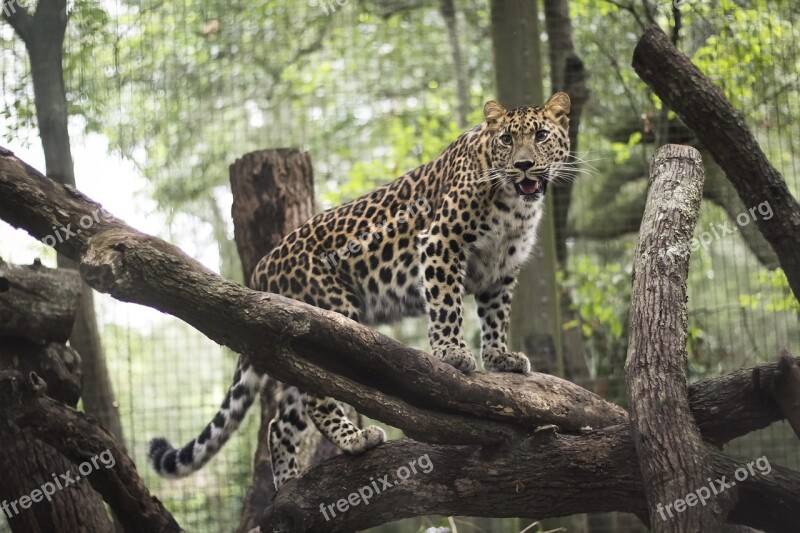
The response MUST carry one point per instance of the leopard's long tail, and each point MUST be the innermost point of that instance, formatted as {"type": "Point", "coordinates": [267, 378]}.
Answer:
{"type": "Point", "coordinates": [174, 463]}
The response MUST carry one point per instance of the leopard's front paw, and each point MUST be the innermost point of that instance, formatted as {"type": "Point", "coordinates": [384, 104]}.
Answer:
{"type": "Point", "coordinates": [497, 361]}
{"type": "Point", "coordinates": [459, 357]}
{"type": "Point", "coordinates": [365, 439]}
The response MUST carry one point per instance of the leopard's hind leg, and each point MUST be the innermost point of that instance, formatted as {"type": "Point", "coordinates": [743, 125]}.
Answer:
{"type": "Point", "coordinates": [287, 432]}
{"type": "Point", "coordinates": [329, 417]}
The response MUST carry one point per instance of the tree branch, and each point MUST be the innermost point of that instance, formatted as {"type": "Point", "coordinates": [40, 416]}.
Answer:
{"type": "Point", "coordinates": [786, 390]}
{"type": "Point", "coordinates": [703, 107]}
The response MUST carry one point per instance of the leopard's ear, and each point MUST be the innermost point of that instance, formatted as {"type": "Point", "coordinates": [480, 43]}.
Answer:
{"type": "Point", "coordinates": [495, 114]}
{"type": "Point", "coordinates": [557, 109]}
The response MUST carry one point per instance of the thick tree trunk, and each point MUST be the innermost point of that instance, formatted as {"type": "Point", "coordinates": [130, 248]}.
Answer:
{"type": "Point", "coordinates": [273, 193]}
{"type": "Point", "coordinates": [535, 311]}
{"type": "Point", "coordinates": [43, 34]}
{"type": "Point", "coordinates": [567, 73]}
{"type": "Point", "coordinates": [328, 354]}
{"type": "Point", "coordinates": [722, 129]}
{"type": "Point", "coordinates": [670, 449]}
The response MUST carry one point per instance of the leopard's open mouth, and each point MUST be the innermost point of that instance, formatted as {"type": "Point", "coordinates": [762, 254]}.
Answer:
{"type": "Point", "coordinates": [528, 187]}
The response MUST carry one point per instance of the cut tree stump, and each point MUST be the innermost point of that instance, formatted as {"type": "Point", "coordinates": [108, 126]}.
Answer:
{"type": "Point", "coordinates": [273, 193]}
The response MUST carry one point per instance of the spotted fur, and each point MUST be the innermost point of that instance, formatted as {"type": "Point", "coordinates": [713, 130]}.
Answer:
{"type": "Point", "coordinates": [462, 224]}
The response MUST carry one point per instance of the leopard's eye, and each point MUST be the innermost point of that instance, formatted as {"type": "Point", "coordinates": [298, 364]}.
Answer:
{"type": "Point", "coordinates": [506, 138]}
{"type": "Point", "coordinates": [542, 135]}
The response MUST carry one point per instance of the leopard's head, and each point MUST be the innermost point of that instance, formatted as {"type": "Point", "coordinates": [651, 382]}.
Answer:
{"type": "Point", "coordinates": [528, 145]}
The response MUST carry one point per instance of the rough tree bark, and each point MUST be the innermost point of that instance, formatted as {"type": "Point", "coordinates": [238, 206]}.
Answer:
{"type": "Point", "coordinates": [43, 34]}
{"type": "Point", "coordinates": [379, 376]}
{"type": "Point", "coordinates": [37, 308]}
{"type": "Point", "coordinates": [27, 463]}
{"type": "Point", "coordinates": [273, 193]}
{"type": "Point", "coordinates": [80, 439]}
{"type": "Point", "coordinates": [786, 390]}
{"type": "Point", "coordinates": [38, 303]}
{"type": "Point", "coordinates": [539, 476]}
{"type": "Point", "coordinates": [668, 443]}
{"type": "Point", "coordinates": [702, 106]}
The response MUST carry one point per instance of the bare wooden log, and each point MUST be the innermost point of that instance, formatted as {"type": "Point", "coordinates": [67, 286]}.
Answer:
{"type": "Point", "coordinates": [668, 443]}
{"type": "Point", "coordinates": [37, 302]}
{"type": "Point", "coordinates": [736, 404]}
{"type": "Point", "coordinates": [786, 390]}
{"type": "Point", "coordinates": [702, 106]}
{"type": "Point", "coordinates": [542, 476]}
{"type": "Point", "coordinates": [80, 440]}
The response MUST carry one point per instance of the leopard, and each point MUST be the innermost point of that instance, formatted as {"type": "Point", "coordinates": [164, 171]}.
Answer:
{"type": "Point", "coordinates": [463, 224]}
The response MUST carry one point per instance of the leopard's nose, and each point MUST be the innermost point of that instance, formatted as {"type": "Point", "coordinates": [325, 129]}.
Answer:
{"type": "Point", "coordinates": [524, 165]}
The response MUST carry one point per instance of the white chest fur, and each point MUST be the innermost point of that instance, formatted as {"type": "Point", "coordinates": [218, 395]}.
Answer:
{"type": "Point", "coordinates": [503, 243]}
